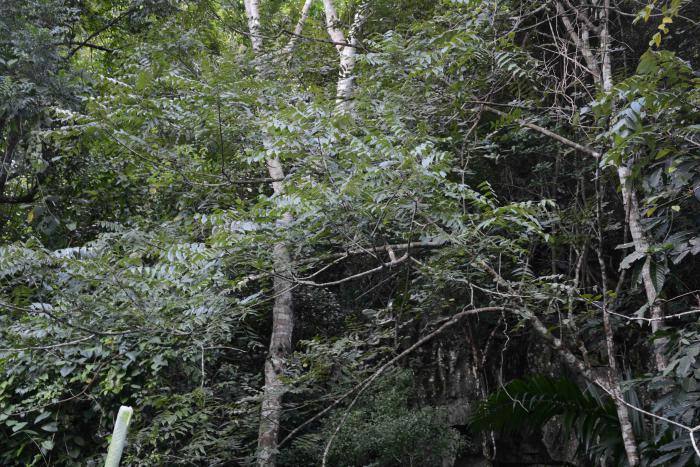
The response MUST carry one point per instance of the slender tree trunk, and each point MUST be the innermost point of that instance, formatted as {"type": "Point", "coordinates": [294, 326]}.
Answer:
{"type": "Point", "coordinates": [280, 348]}
{"type": "Point", "coordinates": [629, 197]}
{"type": "Point", "coordinates": [299, 28]}
{"type": "Point", "coordinates": [601, 71]}
{"type": "Point", "coordinates": [282, 310]}
{"type": "Point", "coordinates": [13, 137]}
{"type": "Point", "coordinates": [641, 245]}
{"type": "Point", "coordinates": [628, 438]}
{"type": "Point", "coordinates": [347, 49]}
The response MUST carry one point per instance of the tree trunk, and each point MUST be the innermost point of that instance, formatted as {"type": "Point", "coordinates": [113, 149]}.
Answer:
{"type": "Point", "coordinates": [252, 11]}
{"type": "Point", "coordinates": [280, 348]}
{"type": "Point", "coordinates": [628, 438]}
{"type": "Point", "coordinates": [299, 28]}
{"type": "Point", "coordinates": [641, 245]}
{"type": "Point", "coordinates": [347, 50]}
{"type": "Point", "coordinates": [629, 198]}
{"type": "Point", "coordinates": [282, 310]}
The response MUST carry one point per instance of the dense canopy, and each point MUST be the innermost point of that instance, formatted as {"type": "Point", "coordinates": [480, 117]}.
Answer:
{"type": "Point", "coordinates": [349, 232]}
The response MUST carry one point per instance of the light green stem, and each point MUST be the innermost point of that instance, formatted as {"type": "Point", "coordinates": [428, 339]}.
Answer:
{"type": "Point", "coordinates": [121, 426]}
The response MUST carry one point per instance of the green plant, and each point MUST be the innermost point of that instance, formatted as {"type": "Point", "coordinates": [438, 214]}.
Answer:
{"type": "Point", "coordinates": [387, 428]}
{"type": "Point", "coordinates": [533, 401]}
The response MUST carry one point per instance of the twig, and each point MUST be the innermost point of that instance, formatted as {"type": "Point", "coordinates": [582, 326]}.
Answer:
{"type": "Point", "coordinates": [653, 319]}
{"type": "Point", "coordinates": [48, 347]}
{"type": "Point", "coordinates": [691, 431]}
{"type": "Point", "coordinates": [549, 133]}
{"type": "Point", "coordinates": [103, 29]}
{"type": "Point", "coordinates": [358, 275]}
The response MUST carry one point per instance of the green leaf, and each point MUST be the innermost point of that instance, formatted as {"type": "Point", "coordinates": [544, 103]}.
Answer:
{"type": "Point", "coordinates": [658, 275]}
{"type": "Point", "coordinates": [66, 370]}
{"type": "Point", "coordinates": [47, 445]}
{"type": "Point", "coordinates": [42, 416]}
{"type": "Point", "coordinates": [684, 366]}
{"type": "Point", "coordinates": [647, 63]}
{"type": "Point", "coordinates": [51, 427]}
{"type": "Point", "coordinates": [16, 426]}
{"type": "Point", "coordinates": [631, 258]}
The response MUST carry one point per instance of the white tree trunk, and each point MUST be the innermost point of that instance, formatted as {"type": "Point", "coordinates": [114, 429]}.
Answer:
{"type": "Point", "coordinates": [347, 49]}
{"type": "Point", "coordinates": [252, 10]}
{"type": "Point", "coordinates": [299, 28]}
{"type": "Point", "coordinates": [629, 198]}
{"type": "Point", "coordinates": [282, 310]}
{"type": "Point", "coordinates": [641, 245]}
{"type": "Point", "coordinates": [600, 69]}
{"type": "Point", "coordinates": [628, 438]}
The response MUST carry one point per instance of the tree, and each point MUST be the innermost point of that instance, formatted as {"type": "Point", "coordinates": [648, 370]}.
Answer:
{"type": "Point", "coordinates": [456, 210]}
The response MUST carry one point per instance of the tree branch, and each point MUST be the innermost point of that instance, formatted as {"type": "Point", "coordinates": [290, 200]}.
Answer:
{"type": "Point", "coordinates": [551, 134]}
{"type": "Point", "coordinates": [389, 264]}
{"type": "Point", "coordinates": [102, 29]}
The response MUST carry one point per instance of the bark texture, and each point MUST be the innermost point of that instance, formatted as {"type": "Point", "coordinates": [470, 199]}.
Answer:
{"type": "Point", "coordinates": [600, 68]}
{"type": "Point", "coordinates": [641, 245]}
{"type": "Point", "coordinates": [347, 49]}
{"type": "Point", "coordinates": [282, 310]}
{"type": "Point", "coordinates": [299, 28]}
{"type": "Point", "coordinates": [628, 438]}
{"type": "Point", "coordinates": [252, 11]}
{"type": "Point", "coordinates": [629, 198]}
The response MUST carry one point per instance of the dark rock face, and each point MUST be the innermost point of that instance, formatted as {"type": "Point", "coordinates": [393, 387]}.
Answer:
{"type": "Point", "coordinates": [560, 447]}
{"type": "Point", "coordinates": [456, 373]}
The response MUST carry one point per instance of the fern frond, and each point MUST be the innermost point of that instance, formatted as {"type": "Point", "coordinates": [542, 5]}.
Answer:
{"type": "Point", "coordinates": [534, 401]}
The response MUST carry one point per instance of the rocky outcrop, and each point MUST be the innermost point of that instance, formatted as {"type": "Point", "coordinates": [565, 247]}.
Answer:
{"type": "Point", "coordinates": [455, 373]}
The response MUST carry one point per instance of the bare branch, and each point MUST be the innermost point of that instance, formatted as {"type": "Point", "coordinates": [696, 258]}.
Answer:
{"type": "Point", "coordinates": [549, 133]}
{"type": "Point", "coordinates": [654, 318]}
{"type": "Point", "coordinates": [390, 264]}
{"type": "Point", "coordinates": [111, 23]}
{"type": "Point", "coordinates": [583, 47]}
{"type": "Point", "coordinates": [691, 430]}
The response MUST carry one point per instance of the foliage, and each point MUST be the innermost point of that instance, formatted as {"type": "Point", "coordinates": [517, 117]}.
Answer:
{"type": "Point", "coordinates": [138, 226]}
{"type": "Point", "coordinates": [383, 430]}
{"type": "Point", "coordinates": [534, 401]}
